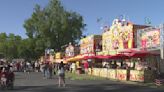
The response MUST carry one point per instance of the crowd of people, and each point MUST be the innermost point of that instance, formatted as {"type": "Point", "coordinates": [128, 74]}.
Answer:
{"type": "Point", "coordinates": [7, 75]}
{"type": "Point", "coordinates": [48, 69]}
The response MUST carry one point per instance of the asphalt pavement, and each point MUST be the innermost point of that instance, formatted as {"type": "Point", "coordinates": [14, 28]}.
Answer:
{"type": "Point", "coordinates": [34, 82]}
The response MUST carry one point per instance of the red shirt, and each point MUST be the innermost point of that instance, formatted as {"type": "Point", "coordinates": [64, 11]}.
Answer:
{"type": "Point", "coordinates": [86, 65]}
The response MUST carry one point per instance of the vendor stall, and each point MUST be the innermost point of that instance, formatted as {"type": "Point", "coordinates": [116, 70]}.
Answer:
{"type": "Point", "coordinates": [119, 45]}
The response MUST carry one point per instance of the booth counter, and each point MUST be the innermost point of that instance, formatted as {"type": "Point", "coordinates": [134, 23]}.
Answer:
{"type": "Point", "coordinates": [142, 75]}
{"type": "Point", "coordinates": [122, 74]}
{"type": "Point", "coordinates": [111, 73]}
{"type": "Point", "coordinates": [119, 74]}
{"type": "Point", "coordinates": [104, 72]}
{"type": "Point", "coordinates": [136, 75]}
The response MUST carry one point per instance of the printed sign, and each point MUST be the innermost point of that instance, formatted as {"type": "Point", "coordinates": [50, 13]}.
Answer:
{"type": "Point", "coordinates": [121, 74]}
{"type": "Point", "coordinates": [136, 75]}
{"type": "Point", "coordinates": [89, 44]}
{"type": "Point", "coordinates": [149, 38]}
{"type": "Point", "coordinates": [120, 36]}
{"type": "Point", "coordinates": [70, 51]}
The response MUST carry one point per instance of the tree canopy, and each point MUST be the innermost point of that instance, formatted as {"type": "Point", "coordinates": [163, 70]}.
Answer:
{"type": "Point", "coordinates": [53, 27]}
{"type": "Point", "coordinates": [9, 45]}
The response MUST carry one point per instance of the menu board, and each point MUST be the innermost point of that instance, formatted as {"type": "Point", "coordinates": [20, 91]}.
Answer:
{"type": "Point", "coordinates": [120, 36]}
{"type": "Point", "coordinates": [148, 38]}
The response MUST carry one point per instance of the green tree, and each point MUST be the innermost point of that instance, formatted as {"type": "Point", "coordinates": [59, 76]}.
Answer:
{"type": "Point", "coordinates": [3, 44]}
{"type": "Point", "coordinates": [9, 45]}
{"type": "Point", "coordinates": [52, 27]}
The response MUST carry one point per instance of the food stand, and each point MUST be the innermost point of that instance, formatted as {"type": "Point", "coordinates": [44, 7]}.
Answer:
{"type": "Point", "coordinates": [71, 56]}
{"type": "Point", "coordinates": [122, 37]}
{"type": "Point", "coordinates": [148, 41]}
{"type": "Point", "coordinates": [88, 46]}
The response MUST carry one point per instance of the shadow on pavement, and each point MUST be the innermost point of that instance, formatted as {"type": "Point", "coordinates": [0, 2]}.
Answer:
{"type": "Point", "coordinates": [87, 88]}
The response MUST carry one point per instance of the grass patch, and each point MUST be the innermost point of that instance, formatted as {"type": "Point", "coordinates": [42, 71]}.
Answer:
{"type": "Point", "coordinates": [74, 76]}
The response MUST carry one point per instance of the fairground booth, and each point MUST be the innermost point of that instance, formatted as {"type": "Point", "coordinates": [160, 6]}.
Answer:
{"type": "Point", "coordinates": [88, 48]}
{"type": "Point", "coordinates": [129, 52]}
{"type": "Point", "coordinates": [71, 57]}
{"type": "Point", "coordinates": [86, 57]}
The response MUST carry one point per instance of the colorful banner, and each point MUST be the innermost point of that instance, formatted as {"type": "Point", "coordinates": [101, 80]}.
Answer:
{"type": "Point", "coordinates": [89, 44]}
{"type": "Point", "coordinates": [148, 38]}
{"type": "Point", "coordinates": [120, 36]}
{"type": "Point", "coordinates": [70, 51]}
{"type": "Point", "coordinates": [121, 74]}
{"type": "Point", "coordinates": [136, 75]}
{"type": "Point", "coordinates": [58, 55]}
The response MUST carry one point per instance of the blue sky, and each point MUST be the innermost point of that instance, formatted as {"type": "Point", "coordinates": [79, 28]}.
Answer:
{"type": "Point", "coordinates": [15, 12]}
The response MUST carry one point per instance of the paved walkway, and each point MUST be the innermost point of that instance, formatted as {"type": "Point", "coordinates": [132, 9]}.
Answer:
{"type": "Point", "coordinates": [34, 82]}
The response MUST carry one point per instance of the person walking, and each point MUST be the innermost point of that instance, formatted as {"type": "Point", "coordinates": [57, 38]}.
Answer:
{"type": "Point", "coordinates": [50, 70]}
{"type": "Point", "coordinates": [46, 70]}
{"type": "Point", "coordinates": [61, 74]}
